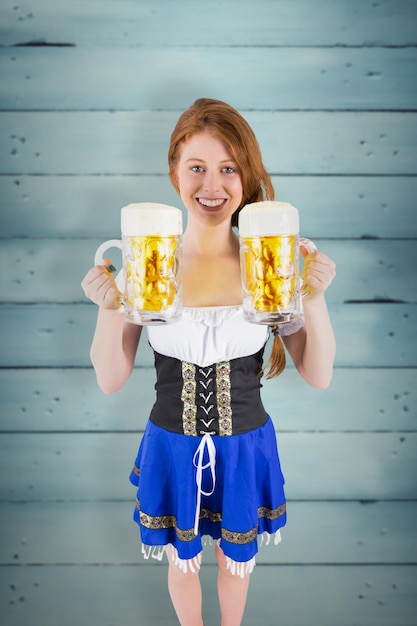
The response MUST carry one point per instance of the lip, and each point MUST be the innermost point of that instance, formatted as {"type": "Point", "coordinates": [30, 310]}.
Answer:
{"type": "Point", "coordinates": [211, 208]}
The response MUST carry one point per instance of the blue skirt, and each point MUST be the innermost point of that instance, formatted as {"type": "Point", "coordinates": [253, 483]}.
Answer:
{"type": "Point", "coordinates": [241, 494]}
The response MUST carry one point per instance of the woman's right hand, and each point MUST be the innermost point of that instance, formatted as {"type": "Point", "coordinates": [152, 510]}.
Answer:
{"type": "Point", "coordinates": [100, 287]}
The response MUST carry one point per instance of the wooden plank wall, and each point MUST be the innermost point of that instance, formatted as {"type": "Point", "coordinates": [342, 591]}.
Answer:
{"type": "Point", "coordinates": [89, 93]}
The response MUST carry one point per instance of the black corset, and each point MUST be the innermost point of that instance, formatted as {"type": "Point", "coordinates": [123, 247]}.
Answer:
{"type": "Point", "coordinates": [219, 399]}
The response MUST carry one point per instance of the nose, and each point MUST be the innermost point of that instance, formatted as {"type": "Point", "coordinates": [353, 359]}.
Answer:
{"type": "Point", "coordinates": [211, 181]}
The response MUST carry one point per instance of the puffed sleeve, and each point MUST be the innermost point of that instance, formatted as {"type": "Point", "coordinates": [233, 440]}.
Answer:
{"type": "Point", "coordinates": [292, 327]}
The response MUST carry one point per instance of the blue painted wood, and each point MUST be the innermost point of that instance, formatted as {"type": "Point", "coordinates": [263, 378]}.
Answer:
{"type": "Point", "coordinates": [351, 173]}
{"type": "Point", "coordinates": [371, 335]}
{"type": "Point", "coordinates": [332, 596]}
{"type": "Point", "coordinates": [354, 596]}
{"type": "Point", "coordinates": [317, 466]}
{"type": "Point", "coordinates": [89, 206]}
{"type": "Point", "coordinates": [69, 400]}
{"type": "Point", "coordinates": [297, 78]}
{"type": "Point", "coordinates": [268, 22]}
{"type": "Point", "coordinates": [51, 270]}
{"type": "Point", "coordinates": [131, 142]}
{"type": "Point", "coordinates": [83, 533]}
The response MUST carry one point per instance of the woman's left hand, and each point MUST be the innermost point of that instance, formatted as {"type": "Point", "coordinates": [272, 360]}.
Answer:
{"type": "Point", "coordinates": [318, 272]}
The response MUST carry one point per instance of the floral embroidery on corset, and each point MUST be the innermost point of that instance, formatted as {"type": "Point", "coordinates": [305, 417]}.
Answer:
{"type": "Point", "coordinates": [188, 397]}
{"type": "Point", "coordinates": [207, 400]}
{"type": "Point", "coordinates": [224, 398]}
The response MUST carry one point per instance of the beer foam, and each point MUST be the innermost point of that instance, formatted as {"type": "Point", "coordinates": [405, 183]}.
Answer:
{"type": "Point", "coordinates": [150, 218]}
{"type": "Point", "coordinates": [268, 218]}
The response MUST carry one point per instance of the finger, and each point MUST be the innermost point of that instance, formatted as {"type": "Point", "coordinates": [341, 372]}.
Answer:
{"type": "Point", "coordinates": [107, 292]}
{"type": "Point", "coordinates": [319, 271]}
{"type": "Point", "coordinates": [320, 257]}
{"type": "Point", "coordinates": [320, 263]}
{"type": "Point", "coordinates": [96, 283]}
{"type": "Point", "coordinates": [94, 277]}
{"type": "Point", "coordinates": [307, 247]}
{"type": "Point", "coordinates": [109, 265]}
{"type": "Point", "coordinates": [318, 281]}
{"type": "Point", "coordinates": [89, 279]}
{"type": "Point", "coordinates": [112, 298]}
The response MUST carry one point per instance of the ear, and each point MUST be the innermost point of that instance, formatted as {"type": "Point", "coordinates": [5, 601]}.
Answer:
{"type": "Point", "coordinates": [174, 181]}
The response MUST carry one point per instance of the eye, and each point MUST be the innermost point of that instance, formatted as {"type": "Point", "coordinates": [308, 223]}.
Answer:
{"type": "Point", "coordinates": [196, 168]}
{"type": "Point", "coordinates": [229, 169]}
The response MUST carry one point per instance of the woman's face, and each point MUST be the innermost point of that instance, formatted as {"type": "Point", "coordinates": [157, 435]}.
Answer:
{"type": "Point", "coordinates": [209, 182]}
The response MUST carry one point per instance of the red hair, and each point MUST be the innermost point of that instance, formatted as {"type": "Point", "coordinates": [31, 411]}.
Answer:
{"type": "Point", "coordinates": [225, 123]}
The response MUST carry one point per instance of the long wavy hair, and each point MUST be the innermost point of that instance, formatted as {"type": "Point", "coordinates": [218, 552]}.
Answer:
{"type": "Point", "coordinates": [227, 124]}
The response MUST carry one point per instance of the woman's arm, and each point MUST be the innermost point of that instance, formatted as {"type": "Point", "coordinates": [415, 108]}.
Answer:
{"type": "Point", "coordinates": [313, 347]}
{"type": "Point", "coordinates": [115, 341]}
{"type": "Point", "coordinates": [113, 349]}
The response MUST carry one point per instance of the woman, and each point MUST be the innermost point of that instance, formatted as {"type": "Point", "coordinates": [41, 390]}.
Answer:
{"type": "Point", "coordinates": [208, 462]}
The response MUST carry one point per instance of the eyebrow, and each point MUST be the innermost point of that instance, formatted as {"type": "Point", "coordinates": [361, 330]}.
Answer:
{"type": "Point", "coordinates": [231, 160]}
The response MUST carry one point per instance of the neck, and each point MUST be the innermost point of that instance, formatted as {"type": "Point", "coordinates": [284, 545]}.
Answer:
{"type": "Point", "coordinates": [212, 241]}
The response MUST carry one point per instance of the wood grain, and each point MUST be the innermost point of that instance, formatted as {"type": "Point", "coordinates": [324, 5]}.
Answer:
{"type": "Point", "coordinates": [103, 533]}
{"type": "Point", "coordinates": [123, 142]}
{"type": "Point", "coordinates": [69, 400]}
{"type": "Point", "coordinates": [342, 207]}
{"type": "Point", "coordinates": [365, 595]}
{"type": "Point", "coordinates": [266, 23]}
{"type": "Point", "coordinates": [89, 93]}
{"type": "Point", "coordinates": [172, 78]}
{"type": "Point", "coordinates": [371, 335]}
{"type": "Point", "coordinates": [96, 466]}
{"type": "Point", "coordinates": [51, 270]}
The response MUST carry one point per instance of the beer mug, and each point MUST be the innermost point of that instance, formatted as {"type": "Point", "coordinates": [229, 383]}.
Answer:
{"type": "Point", "coordinates": [269, 256]}
{"type": "Point", "coordinates": [150, 245]}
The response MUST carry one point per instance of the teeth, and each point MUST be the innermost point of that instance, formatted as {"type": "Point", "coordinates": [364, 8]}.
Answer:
{"type": "Point", "coordinates": [211, 203]}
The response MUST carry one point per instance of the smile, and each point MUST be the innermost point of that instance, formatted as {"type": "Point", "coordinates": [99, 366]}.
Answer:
{"type": "Point", "coordinates": [211, 203]}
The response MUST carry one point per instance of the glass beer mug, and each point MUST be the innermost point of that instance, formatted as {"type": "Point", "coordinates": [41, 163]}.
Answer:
{"type": "Point", "coordinates": [269, 257]}
{"type": "Point", "coordinates": [150, 244]}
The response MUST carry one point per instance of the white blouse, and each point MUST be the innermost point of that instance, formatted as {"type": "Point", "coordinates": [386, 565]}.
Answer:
{"type": "Point", "coordinates": [207, 335]}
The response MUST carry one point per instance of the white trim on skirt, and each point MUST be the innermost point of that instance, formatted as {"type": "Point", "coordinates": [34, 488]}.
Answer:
{"type": "Point", "coordinates": [237, 568]}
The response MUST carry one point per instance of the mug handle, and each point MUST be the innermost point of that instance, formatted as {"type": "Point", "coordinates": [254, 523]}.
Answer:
{"type": "Point", "coordinates": [111, 243]}
{"type": "Point", "coordinates": [310, 247]}
{"type": "Point", "coordinates": [98, 260]}
{"type": "Point", "coordinates": [307, 243]}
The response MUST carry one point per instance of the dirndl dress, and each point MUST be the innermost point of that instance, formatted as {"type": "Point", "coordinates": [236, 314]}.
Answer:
{"type": "Point", "coordinates": [208, 463]}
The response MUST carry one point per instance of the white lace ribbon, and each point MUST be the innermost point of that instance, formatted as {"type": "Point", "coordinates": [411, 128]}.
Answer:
{"type": "Point", "coordinates": [206, 443]}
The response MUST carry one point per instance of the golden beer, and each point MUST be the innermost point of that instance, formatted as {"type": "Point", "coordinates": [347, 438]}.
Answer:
{"type": "Point", "coordinates": [150, 245]}
{"type": "Point", "coordinates": [151, 268]}
{"type": "Point", "coordinates": [269, 260]}
{"type": "Point", "coordinates": [269, 265]}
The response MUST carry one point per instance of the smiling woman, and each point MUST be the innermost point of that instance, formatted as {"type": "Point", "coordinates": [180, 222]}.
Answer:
{"type": "Point", "coordinates": [329, 89]}
{"type": "Point", "coordinates": [210, 187]}
{"type": "Point", "coordinates": [208, 463]}
{"type": "Point", "coordinates": [227, 125]}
